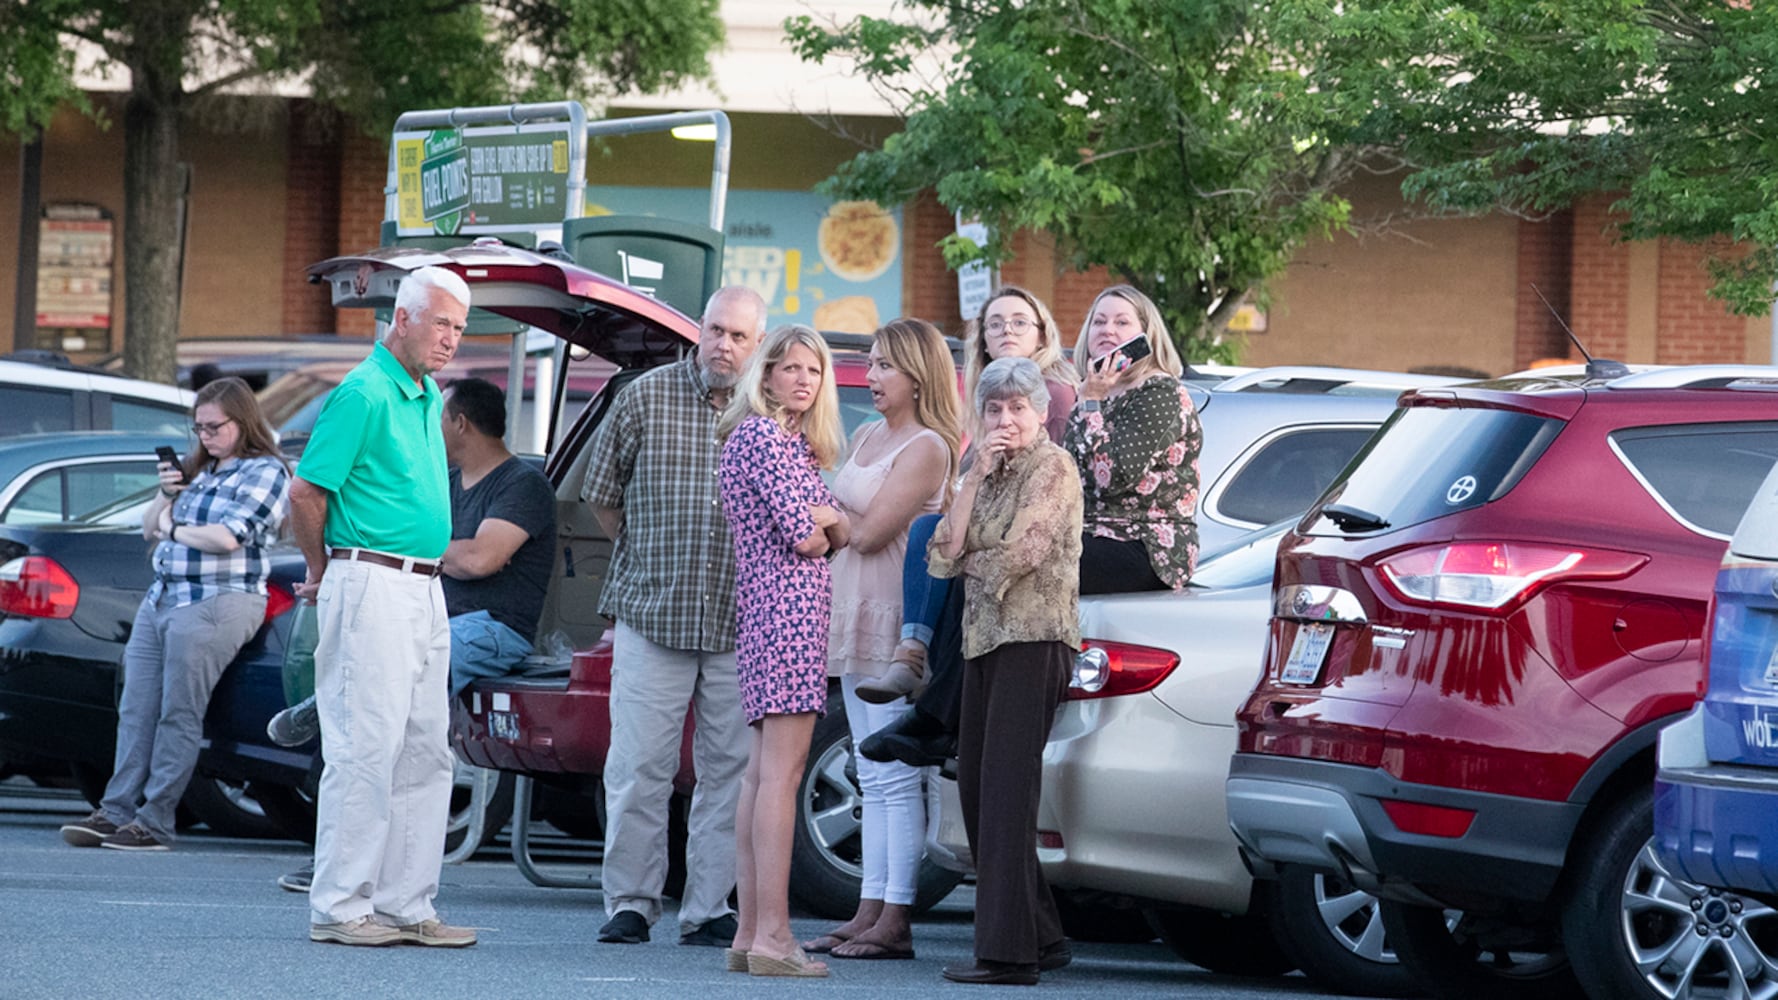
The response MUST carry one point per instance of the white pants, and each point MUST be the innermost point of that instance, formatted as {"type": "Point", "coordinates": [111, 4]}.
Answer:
{"type": "Point", "coordinates": [894, 827]}
{"type": "Point", "coordinates": [651, 687]}
{"type": "Point", "coordinates": [382, 673]}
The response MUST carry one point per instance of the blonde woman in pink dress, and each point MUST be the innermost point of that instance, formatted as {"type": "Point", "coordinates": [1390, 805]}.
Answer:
{"type": "Point", "coordinates": [898, 468]}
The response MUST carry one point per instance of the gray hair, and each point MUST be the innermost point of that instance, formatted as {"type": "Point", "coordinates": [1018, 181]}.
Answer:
{"type": "Point", "coordinates": [415, 293]}
{"type": "Point", "coordinates": [1008, 377]}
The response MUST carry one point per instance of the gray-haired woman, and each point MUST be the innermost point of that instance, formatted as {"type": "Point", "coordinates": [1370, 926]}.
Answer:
{"type": "Point", "coordinates": [1013, 533]}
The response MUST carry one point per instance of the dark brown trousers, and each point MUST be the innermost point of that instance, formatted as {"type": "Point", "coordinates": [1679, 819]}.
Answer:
{"type": "Point", "coordinates": [1009, 700]}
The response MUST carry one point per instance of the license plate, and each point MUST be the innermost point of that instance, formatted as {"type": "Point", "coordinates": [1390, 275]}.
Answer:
{"type": "Point", "coordinates": [504, 726]}
{"type": "Point", "coordinates": [1303, 666]}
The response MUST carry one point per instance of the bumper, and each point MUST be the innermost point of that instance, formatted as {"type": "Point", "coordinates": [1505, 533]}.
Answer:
{"type": "Point", "coordinates": [1713, 823]}
{"type": "Point", "coordinates": [1135, 793]}
{"type": "Point", "coordinates": [1288, 810]}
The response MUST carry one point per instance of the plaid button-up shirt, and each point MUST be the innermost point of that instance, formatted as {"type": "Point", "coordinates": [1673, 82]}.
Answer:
{"type": "Point", "coordinates": [672, 575]}
{"type": "Point", "coordinates": [249, 497]}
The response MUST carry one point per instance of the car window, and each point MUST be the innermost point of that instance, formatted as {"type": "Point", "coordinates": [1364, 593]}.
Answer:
{"type": "Point", "coordinates": [157, 418]}
{"type": "Point", "coordinates": [1703, 474]}
{"type": "Point", "coordinates": [1427, 462]}
{"type": "Point", "coordinates": [35, 411]}
{"type": "Point", "coordinates": [1288, 473]}
{"type": "Point", "coordinates": [1757, 535]}
{"type": "Point", "coordinates": [72, 492]}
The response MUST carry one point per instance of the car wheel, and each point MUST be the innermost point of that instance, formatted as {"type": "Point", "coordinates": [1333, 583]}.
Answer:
{"type": "Point", "coordinates": [1221, 942]}
{"type": "Point", "coordinates": [1333, 931]}
{"type": "Point", "coordinates": [824, 862]}
{"type": "Point", "coordinates": [497, 810]}
{"type": "Point", "coordinates": [1461, 957]}
{"type": "Point", "coordinates": [290, 808]}
{"type": "Point", "coordinates": [1637, 930]}
{"type": "Point", "coordinates": [228, 809]}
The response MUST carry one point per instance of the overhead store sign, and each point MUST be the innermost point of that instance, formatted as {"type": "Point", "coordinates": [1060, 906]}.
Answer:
{"type": "Point", "coordinates": [472, 181]}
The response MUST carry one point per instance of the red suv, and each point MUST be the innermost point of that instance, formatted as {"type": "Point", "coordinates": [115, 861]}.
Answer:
{"type": "Point", "coordinates": [1476, 635]}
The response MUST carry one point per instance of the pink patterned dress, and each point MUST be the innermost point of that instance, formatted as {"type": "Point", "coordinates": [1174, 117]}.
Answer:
{"type": "Point", "coordinates": [782, 600]}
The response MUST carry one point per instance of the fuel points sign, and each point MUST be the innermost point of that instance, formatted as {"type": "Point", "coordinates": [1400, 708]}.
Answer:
{"type": "Point", "coordinates": [468, 181]}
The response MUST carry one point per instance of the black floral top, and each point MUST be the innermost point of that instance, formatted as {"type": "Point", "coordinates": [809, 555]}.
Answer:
{"type": "Point", "coordinates": [1138, 458]}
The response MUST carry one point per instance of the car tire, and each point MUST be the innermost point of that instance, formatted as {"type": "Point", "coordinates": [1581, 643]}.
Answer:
{"type": "Point", "coordinates": [496, 814]}
{"type": "Point", "coordinates": [1452, 962]}
{"type": "Point", "coordinates": [1333, 931]}
{"type": "Point", "coordinates": [1624, 901]}
{"type": "Point", "coordinates": [290, 808]}
{"type": "Point", "coordinates": [1222, 942]}
{"type": "Point", "coordinates": [229, 809]}
{"type": "Point", "coordinates": [824, 869]}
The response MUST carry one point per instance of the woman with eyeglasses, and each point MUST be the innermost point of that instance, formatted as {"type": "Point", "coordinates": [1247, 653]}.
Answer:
{"type": "Point", "coordinates": [1012, 323]}
{"type": "Point", "coordinates": [212, 520]}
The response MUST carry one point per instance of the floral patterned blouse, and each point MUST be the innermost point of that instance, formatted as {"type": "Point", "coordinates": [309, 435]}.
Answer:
{"type": "Point", "coordinates": [1138, 458]}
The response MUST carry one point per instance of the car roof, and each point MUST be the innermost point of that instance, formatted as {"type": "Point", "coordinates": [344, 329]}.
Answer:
{"type": "Point", "coordinates": [51, 376]}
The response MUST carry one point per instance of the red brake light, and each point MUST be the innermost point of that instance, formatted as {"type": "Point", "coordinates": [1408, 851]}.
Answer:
{"type": "Point", "coordinates": [1108, 669]}
{"type": "Point", "coordinates": [1495, 575]}
{"type": "Point", "coordinates": [277, 601]}
{"type": "Point", "coordinates": [37, 587]}
{"type": "Point", "coordinates": [1431, 821]}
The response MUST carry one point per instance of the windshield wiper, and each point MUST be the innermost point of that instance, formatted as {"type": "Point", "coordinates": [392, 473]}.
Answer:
{"type": "Point", "coordinates": [1353, 518]}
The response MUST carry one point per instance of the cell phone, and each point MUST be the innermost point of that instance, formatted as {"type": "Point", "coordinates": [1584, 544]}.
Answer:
{"type": "Point", "coordinates": [1133, 350]}
{"type": "Point", "coordinates": [171, 457]}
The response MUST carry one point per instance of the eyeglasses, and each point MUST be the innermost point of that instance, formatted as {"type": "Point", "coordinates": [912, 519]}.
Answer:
{"type": "Point", "coordinates": [1018, 324]}
{"type": "Point", "coordinates": [205, 430]}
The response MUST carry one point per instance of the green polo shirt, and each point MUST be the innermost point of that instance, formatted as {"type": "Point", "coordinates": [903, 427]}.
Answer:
{"type": "Point", "coordinates": [377, 447]}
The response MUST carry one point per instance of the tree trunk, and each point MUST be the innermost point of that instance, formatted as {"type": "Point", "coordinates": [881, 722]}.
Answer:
{"type": "Point", "coordinates": [152, 183]}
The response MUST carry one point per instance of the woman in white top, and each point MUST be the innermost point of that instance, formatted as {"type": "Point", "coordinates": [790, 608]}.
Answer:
{"type": "Point", "coordinates": [898, 468]}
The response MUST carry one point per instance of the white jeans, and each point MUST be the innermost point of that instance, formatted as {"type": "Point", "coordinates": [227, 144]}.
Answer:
{"type": "Point", "coordinates": [382, 672]}
{"type": "Point", "coordinates": [894, 825]}
{"type": "Point", "coordinates": [651, 687]}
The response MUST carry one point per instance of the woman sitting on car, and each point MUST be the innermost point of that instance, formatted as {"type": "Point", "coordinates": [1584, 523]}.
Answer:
{"type": "Point", "coordinates": [1135, 436]}
{"type": "Point", "coordinates": [212, 519]}
{"type": "Point", "coordinates": [1013, 535]}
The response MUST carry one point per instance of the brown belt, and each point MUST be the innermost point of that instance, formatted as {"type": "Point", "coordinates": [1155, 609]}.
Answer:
{"type": "Point", "coordinates": [393, 562]}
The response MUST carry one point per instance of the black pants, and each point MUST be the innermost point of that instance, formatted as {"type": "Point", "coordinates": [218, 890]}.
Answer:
{"type": "Point", "coordinates": [1010, 697]}
{"type": "Point", "coordinates": [1106, 567]}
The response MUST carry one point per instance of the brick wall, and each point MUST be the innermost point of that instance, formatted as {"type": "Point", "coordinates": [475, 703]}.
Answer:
{"type": "Point", "coordinates": [364, 169]}
{"type": "Point", "coordinates": [1694, 328]}
{"type": "Point", "coordinates": [311, 218]}
{"type": "Point", "coordinates": [1545, 255]}
{"type": "Point", "coordinates": [1599, 280]}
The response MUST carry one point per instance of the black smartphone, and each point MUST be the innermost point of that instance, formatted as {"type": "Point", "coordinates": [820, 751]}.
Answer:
{"type": "Point", "coordinates": [1133, 350]}
{"type": "Point", "coordinates": [170, 457]}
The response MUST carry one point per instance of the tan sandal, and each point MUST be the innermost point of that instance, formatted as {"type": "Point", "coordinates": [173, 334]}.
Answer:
{"type": "Point", "coordinates": [905, 678]}
{"type": "Point", "coordinates": [796, 965]}
{"type": "Point", "coordinates": [735, 959]}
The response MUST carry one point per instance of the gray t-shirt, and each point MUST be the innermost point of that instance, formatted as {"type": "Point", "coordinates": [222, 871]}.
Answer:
{"type": "Point", "coordinates": [513, 596]}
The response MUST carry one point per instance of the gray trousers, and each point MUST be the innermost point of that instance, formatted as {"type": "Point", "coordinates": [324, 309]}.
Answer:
{"type": "Point", "coordinates": [170, 665]}
{"type": "Point", "coordinates": [651, 688]}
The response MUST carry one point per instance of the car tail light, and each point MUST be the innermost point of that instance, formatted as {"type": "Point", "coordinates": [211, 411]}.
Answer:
{"type": "Point", "coordinates": [277, 601]}
{"type": "Point", "coordinates": [1430, 821]}
{"type": "Point", "coordinates": [1108, 669]}
{"type": "Point", "coordinates": [37, 587]}
{"type": "Point", "coordinates": [1049, 839]}
{"type": "Point", "coordinates": [1496, 575]}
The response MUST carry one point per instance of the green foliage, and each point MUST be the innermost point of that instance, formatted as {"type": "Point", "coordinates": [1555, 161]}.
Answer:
{"type": "Point", "coordinates": [1189, 146]}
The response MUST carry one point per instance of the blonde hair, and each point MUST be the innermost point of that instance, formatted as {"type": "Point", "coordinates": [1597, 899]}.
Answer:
{"type": "Point", "coordinates": [1162, 357]}
{"type": "Point", "coordinates": [916, 348]}
{"type": "Point", "coordinates": [1049, 357]}
{"type": "Point", "coordinates": [821, 425]}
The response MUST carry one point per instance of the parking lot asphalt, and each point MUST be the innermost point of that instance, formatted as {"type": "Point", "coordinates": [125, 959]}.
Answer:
{"type": "Point", "coordinates": [206, 920]}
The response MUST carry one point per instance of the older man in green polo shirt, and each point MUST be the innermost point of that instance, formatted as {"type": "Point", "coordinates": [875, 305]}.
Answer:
{"type": "Point", "coordinates": [371, 510]}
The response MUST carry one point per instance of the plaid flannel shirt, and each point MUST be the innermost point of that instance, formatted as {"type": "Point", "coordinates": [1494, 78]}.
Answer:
{"type": "Point", "coordinates": [248, 496]}
{"type": "Point", "coordinates": [672, 575]}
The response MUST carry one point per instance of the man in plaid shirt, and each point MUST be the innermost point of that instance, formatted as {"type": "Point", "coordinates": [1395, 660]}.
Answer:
{"type": "Point", "coordinates": [671, 589]}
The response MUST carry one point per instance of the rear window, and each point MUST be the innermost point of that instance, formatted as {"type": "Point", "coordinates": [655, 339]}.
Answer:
{"type": "Point", "coordinates": [1705, 475]}
{"type": "Point", "coordinates": [1287, 473]}
{"type": "Point", "coordinates": [157, 418]}
{"type": "Point", "coordinates": [1427, 462]}
{"type": "Point", "coordinates": [35, 411]}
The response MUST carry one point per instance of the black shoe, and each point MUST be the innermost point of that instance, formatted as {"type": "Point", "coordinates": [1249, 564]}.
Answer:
{"type": "Point", "coordinates": [1054, 956]}
{"type": "Point", "coordinates": [916, 739]}
{"type": "Point", "coordinates": [715, 933]}
{"type": "Point", "coordinates": [298, 881]}
{"type": "Point", "coordinates": [993, 974]}
{"type": "Point", "coordinates": [627, 927]}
